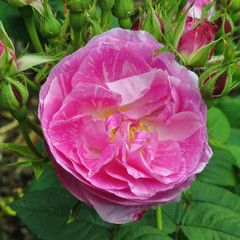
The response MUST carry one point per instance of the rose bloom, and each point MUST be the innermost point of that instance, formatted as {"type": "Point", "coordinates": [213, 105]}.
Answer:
{"type": "Point", "coordinates": [125, 131]}
{"type": "Point", "coordinates": [196, 10]}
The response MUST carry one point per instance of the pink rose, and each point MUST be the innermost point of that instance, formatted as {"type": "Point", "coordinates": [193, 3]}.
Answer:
{"type": "Point", "coordinates": [126, 131]}
{"type": "Point", "coordinates": [193, 40]}
{"type": "Point", "coordinates": [196, 10]}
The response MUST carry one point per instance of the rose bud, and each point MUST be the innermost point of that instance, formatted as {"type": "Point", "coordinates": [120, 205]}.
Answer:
{"type": "Point", "coordinates": [8, 60]}
{"type": "Point", "coordinates": [123, 9]}
{"type": "Point", "coordinates": [106, 15]}
{"type": "Point", "coordinates": [215, 82]}
{"type": "Point", "coordinates": [78, 5]}
{"type": "Point", "coordinates": [150, 22]}
{"type": "Point", "coordinates": [196, 10]}
{"type": "Point", "coordinates": [225, 25]}
{"type": "Point", "coordinates": [190, 22]}
{"type": "Point", "coordinates": [233, 5]}
{"type": "Point", "coordinates": [90, 29]}
{"type": "Point", "coordinates": [192, 44]}
{"type": "Point", "coordinates": [50, 26]}
{"type": "Point", "coordinates": [13, 95]}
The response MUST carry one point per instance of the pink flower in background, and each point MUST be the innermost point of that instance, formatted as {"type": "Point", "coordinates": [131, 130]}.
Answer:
{"type": "Point", "coordinates": [125, 131]}
{"type": "Point", "coordinates": [196, 10]}
{"type": "Point", "coordinates": [9, 50]}
{"type": "Point", "coordinates": [193, 40]}
{"type": "Point", "coordinates": [8, 63]}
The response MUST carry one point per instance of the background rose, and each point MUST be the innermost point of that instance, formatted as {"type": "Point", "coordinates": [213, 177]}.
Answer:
{"type": "Point", "coordinates": [126, 131]}
{"type": "Point", "coordinates": [196, 10]}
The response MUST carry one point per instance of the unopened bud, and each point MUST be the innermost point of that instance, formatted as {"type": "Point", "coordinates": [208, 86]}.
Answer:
{"type": "Point", "coordinates": [90, 30]}
{"type": "Point", "coordinates": [153, 23]}
{"type": "Point", "coordinates": [13, 96]}
{"type": "Point", "coordinates": [233, 5]}
{"type": "Point", "coordinates": [78, 5]}
{"type": "Point", "coordinates": [196, 45]}
{"type": "Point", "coordinates": [123, 9]}
{"type": "Point", "coordinates": [106, 5]}
{"type": "Point", "coordinates": [216, 82]}
{"type": "Point", "coordinates": [50, 26]}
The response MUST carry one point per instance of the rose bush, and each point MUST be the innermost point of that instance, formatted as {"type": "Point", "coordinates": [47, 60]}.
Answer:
{"type": "Point", "coordinates": [125, 131]}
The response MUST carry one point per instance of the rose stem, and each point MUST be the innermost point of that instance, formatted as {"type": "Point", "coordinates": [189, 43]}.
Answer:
{"type": "Point", "coordinates": [34, 127]}
{"type": "Point", "coordinates": [27, 139]}
{"type": "Point", "coordinates": [76, 38]}
{"type": "Point", "coordinates": [158, 216]}
{"type": "Point", "coordinates": [27, 14]}
{"type": "Point", "coordinates": [41, 75]}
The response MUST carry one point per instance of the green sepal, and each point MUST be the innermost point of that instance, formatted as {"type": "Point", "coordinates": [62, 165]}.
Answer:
{"type": "Point", "coordinates": [123, 8]}
{"type": "Point", "coordinates": [74, 212]}
{"type": "Point", "coordinates": [151, 23]}
{"type": "Point", "coordinates": [201, 57]}
{"type": "Point", "coordinates": [20, 88]}
{"type": "Point", "coordinates": [208, 87]}
{"type": "Point", "coordinates": [78, 5]}
{"type": "Point", "coordinates": [106, 5]}
{"type": "Point", "coordinates": [31, 60]}
{"type": "Point", "coordinates": [180, 28]}
{"type": "Point", "coordinates": [8, 100]}
{"type": "Point", "coordinates": [4, 37]}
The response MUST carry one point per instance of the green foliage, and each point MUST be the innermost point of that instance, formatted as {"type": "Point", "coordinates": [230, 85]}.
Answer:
{"type": "Point", "coordinates": [24, 150]}
{"type": "Point", "coordinates": [143, 233]}
{"type": "Point", "coordinates": [218, 125]}
{"type": "Point", "coordinates": [46, 212]}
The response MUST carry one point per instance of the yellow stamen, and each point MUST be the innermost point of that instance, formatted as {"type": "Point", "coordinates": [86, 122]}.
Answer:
{"type": "Point", "coordinates": [133, 130]}
{"type": "Point", "coordinates": [112, 134]}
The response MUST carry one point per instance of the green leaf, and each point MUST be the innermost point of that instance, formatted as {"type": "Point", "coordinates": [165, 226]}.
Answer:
{"type": "Point", "coordinates": [215, 143]}
{"type": "Point", "coordinates": [148, 219]}
{"type": "Point", "coordinates": [180, 28]}
{"type": "Point", "coordinates": [143, 233]}
{"type": "Point", "coordinates": [11, 18]}
{"type": "Point", "coordinates": [230, 108]}
{"type": "Point", "coordinates": [47, 180]}
{"type": "Point", "coordinates": [220, 169]}
{"type": "Point", "coordinates": [4, 37]}
{"type": "Point", "coordinates": [234, 138]}
{"type": "Point", "coordinates": [235, 151]}
{"type": "Point", "coordinates": [24, 150]}
{"type": "Point", "coordinates": [38, 169]}
{"type": "Point", "coordinates": [218, 125]}
{"type": "Point", "coordinates": [25, 163]}
{"type": "Point", "coordinates": [204, 192]}
{"type": "Point", "coordinates": [45, 213]}
{"type": "Point", "coordinates": [31, 60]}
{"type": "Point", "coordinates": [211, 222]}
{"type": "Point", "coordinates": [174, 211]}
